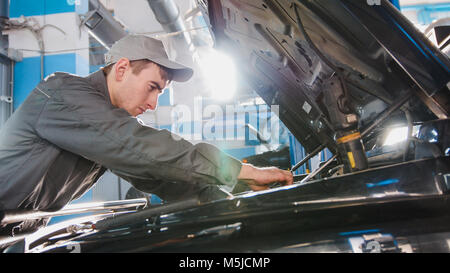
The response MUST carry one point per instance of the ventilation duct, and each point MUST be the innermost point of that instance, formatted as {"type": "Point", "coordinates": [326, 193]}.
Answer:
{"type": "Point", "coordinates": [102, 26]}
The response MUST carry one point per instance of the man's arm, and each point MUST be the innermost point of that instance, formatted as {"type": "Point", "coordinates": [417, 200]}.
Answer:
{"type": "Point", "coordinates": [78, 119]}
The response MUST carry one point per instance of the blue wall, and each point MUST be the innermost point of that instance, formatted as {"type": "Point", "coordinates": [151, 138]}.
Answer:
{"type": "Point", "coordinates": [27, 72]}
{"type": "Point", "coordinates": [40, 7]}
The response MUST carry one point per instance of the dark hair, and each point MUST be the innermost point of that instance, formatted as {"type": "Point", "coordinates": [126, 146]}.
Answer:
{"type": "Point", "coordinates": [137, 66]}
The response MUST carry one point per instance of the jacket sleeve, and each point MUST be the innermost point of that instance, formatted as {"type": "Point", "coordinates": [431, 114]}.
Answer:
{"type": "Point", "coordinates": [79, 119]}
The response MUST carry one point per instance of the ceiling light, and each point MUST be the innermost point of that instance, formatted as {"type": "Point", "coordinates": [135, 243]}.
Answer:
{"type": "Point", "coordinates": [219, 73]}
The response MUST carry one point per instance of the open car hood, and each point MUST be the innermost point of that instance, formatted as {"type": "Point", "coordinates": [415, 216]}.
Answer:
{"type": "Point", "coordinates": [378, 56]}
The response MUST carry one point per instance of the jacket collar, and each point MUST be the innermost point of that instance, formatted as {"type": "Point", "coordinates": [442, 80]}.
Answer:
{"type": "Point", "coordinates": [98, 80]}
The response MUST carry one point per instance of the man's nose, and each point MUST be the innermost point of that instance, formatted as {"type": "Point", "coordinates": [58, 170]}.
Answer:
{"type": "Point", "coordinates": [152, 102]}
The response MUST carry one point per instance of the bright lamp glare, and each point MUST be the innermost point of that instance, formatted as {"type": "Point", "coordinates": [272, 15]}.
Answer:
{"type": "Point", "coordinates": [396, 135]}
{"type": "Point", "coordinates": [220, 75]}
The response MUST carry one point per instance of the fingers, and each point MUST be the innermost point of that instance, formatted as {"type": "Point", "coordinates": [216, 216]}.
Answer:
{"type": "Point", "coordinates": [262, 178]}
{"type": "Point", "coordinates": [269, 176]}
{"type": "Point", "coordinates": [285, 177]}
{"type": "Point", "coordinates": [289, 177]}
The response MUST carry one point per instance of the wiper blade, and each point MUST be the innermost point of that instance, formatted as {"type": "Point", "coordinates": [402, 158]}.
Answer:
{"type": "Point", "coordinates": [15, 216]}
{"type": "Point", "coordinates": [144, 214]}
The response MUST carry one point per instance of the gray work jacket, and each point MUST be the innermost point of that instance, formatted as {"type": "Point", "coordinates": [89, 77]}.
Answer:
{"type": "Point", "coordinates": [67, 133]}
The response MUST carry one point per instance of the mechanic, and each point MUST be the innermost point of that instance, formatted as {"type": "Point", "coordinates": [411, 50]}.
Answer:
{"type": "Point", "coordinates": [70, 129]}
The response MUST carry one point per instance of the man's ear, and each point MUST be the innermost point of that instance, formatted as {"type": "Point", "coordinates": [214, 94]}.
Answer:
{"type": "Point", "coordinates": [120, 68]}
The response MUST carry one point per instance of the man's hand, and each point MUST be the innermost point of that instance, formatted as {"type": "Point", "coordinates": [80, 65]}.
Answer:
{"type": "Point", "coordinates": [260, 179]}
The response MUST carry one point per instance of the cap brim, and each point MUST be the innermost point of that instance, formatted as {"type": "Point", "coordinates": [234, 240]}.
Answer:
{"type": "Point", "coordinates": [180, 73]}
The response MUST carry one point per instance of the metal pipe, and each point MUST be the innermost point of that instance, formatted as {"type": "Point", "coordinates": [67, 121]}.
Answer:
{"type": "Point", "coordinates": [385, 114]}
{"type": "Point", "coordinates": [12, 88]}
{"type": "Point", "coordinates": [5, 62]}
{"type": "Point", "coordinates": [318, 170]}
{"type": "Point", "coordinates": [168, 15]}
{"type": "Point", "coordinates": [101, 25]}
{"type": "Point", "coordinates": [306, 158]}
{"type": "Point", "coordinates": [19, 216]}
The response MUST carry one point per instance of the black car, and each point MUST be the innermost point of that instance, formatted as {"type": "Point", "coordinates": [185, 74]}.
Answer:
{"type": "Point", "coordinates": [344, 73]}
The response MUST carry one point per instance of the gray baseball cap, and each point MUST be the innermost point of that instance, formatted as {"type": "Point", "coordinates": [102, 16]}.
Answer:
{"type": "Point", "coordinates": [141, 47]}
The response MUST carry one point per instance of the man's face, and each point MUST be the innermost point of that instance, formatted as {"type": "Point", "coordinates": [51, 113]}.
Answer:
{"type": "Point", "coordinates": [138, 93]}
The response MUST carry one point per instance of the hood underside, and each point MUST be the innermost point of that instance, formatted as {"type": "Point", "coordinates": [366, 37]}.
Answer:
{"type": "Point", "coordinates": [310, 56]}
